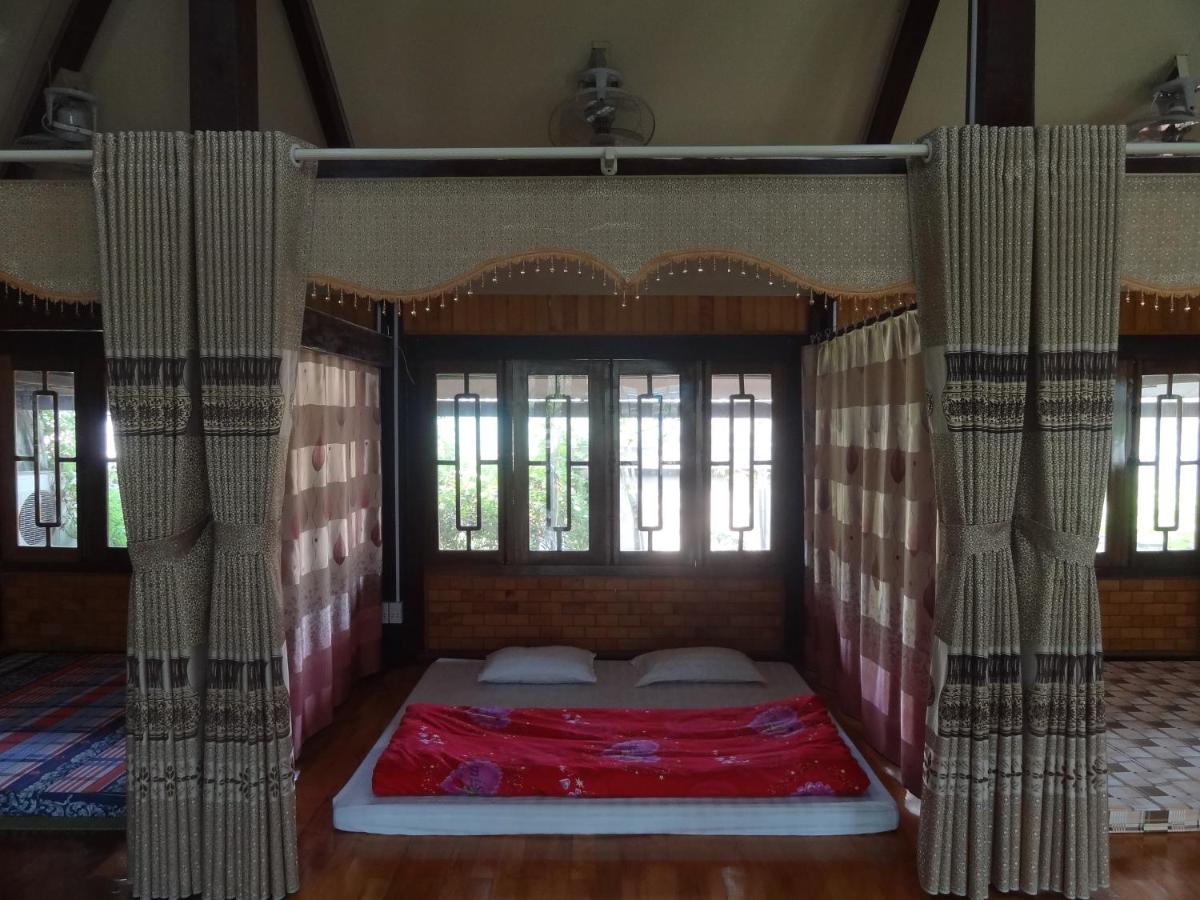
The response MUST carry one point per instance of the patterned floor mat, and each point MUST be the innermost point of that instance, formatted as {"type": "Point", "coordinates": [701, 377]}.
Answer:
{"type": "Point", "coordinates": [1153, 745]}
{"type": "Point", "coordinates": [62, 740]}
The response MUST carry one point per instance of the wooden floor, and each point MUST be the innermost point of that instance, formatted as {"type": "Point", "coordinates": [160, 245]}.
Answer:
{"type": "Point", "coordinates": [44, 866]}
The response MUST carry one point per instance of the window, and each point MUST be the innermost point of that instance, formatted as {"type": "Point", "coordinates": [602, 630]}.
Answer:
{"type": "Point", "coordinates": [1167, 422]}
{"type": "Point", "coordinates": [468, 462]}
{"type": "Point", "coordinates": [46, 466]}
{"type": "Point", "coordinates": [62, 494]}
{"type": "Point", "coordinates": [112, 497]}
{"type": "Point", "coordinates": [1151, 516]}
{"type": "Point", "coordinates": [740, 462]}
{"type": "Point", "coordinates": [600, 461]}
{"type": "Point", "coordinates": [557, 460]}
{"type": "Point", "coordinates": [651, 423]}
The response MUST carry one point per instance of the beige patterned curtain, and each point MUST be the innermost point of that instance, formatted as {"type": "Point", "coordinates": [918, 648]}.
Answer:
{"type": "Point", "coordinates": [144, 214]}
{"type": "Point", "coordinates": [332, 536]}
{"type": "Point", "coordinates": [971, 211]}
{"type": "Point", "coordinates": [1064, 476]}
{"type": "Point", "coordinates": [873, 523]}
{"type": "Point", "coordinates": [253, 227]}
{"type": "Point", "coordinates": [1015, 778]}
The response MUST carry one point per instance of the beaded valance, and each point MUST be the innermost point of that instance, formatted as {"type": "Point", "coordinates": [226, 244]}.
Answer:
{"type": "Point", "coordinates": [420, 238]}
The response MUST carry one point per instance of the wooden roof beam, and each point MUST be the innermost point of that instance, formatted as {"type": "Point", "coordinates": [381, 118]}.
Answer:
{"type": "Point", "coordinates": [318, 72]}
{"type": "Point", "coordinates": [897, 80]}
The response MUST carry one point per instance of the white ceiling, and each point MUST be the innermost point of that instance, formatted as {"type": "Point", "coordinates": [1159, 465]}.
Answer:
{"type": "Point", "coordinates": [460, 73]}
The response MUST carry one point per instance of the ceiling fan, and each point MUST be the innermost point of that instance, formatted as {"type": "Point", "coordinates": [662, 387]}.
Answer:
{"type": "Point", "coordinates": [601, 113]}
{"type": "Point", "coordinates": [1174, 112]}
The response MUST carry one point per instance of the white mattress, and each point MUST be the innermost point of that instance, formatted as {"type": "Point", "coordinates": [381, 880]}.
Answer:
{"type": "Point", "coordinates": [452, 681]}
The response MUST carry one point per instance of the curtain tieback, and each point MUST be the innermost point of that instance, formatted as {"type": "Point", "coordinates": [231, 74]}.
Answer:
{"type": "Point", "coordinates": [975, 539]}
{"type": "Point", "coordinates": [160, 551]}
{"type": "Point", "coordinates": [249, 537]}
{"type": "Point", "coordinates": [1064, 545]}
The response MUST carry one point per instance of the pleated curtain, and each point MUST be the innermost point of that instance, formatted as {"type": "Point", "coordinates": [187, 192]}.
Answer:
{"type": "Point", "coordinates": [202, 245]}
{"type": "Point", "coordinates": [253, 230]}
{"type": "Point", "coordinates": [332, 536]}
{"type": "Point", "coordinates": [971, 209]}
{"type": "Point", "coordinates": [144, 209]}
{"type": "Point", "coordinates": [1020, 405]}
{"type": "Point", "coordinates": [1060, 494]}
{"type": "Point", "coordinates": [872, 521]}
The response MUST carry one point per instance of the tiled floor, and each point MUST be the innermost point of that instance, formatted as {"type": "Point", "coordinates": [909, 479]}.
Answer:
{"type": "Point", "coordinates": [1153, 745]}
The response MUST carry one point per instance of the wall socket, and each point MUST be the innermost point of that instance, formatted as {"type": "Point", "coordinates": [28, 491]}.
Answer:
{"type": "Point", "coordinates": [393, 613]}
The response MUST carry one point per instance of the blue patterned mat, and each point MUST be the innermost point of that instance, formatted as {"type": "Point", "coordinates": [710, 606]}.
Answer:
{"type": "Point", "coordinates": [62, 739]}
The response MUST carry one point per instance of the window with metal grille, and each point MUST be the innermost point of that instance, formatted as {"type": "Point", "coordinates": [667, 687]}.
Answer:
{"type": "Point", "coordinates": [468, 462]}
{"type": "Point", "coordinates": [557, 459]}
{"type": "Point", "coordinates": [1151, 518]}
{"type": "Point", "coordinates": [44, 452]}
{"type": "Point", "coordinates": [740, 462]}
{"type": "Point", "coordinates": [1168, 431]}
{"type": "Point", "coordinates": [650, 437]}
{"type": "Point", "coordinates": [62, 490]}
{"type": "Point", "coordinates": [601, 461]}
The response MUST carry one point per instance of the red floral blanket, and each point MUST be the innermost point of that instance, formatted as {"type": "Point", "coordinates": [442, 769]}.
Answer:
{"type": "Point", "coordinates": [783, 749]}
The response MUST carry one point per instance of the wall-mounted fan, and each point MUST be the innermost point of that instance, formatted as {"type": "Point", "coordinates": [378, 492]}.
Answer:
{"type": "Point", "coordinates": [1174, 109]}
{"type": "Point", "coordinates": [68, 123]}
{"type": "Point", "coordinates": [601, 113]}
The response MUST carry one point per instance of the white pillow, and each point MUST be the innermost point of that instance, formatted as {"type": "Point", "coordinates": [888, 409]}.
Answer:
{"type": "Point", "coordinates": [539, 665]}
{"type": "Point", "coordinates": [711, 664]}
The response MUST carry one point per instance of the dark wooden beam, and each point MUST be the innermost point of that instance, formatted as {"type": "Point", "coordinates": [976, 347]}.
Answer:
{"type": "Point", "coordinates": [329, 334]}
{"type": "Point", "coordinates": [1000, 62]}
{"type": "Point", "coordinates": [223, 64]}
{"type": "Point", "coordinates": [318, 72]}
{"type": "Point", "coordinates": [906, 53]}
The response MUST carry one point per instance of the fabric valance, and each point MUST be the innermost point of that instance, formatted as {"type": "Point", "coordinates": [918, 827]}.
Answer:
{"type": "Point", "coordinates": [1159, 230]}
{"type": "Point", "coordinates": [399, 238]}
{"type": "Point", "coordinates": [48, 243]}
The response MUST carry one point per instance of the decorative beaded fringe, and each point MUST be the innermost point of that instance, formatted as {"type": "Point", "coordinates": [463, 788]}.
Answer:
{"type": "Point", "coordinates": [596, 277]}
{"type": "Point", "coordinates": [22, 295]}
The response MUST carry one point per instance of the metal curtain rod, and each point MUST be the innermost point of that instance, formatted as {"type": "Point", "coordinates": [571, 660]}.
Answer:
{"type": "Point", "coordinates": [607, 156]}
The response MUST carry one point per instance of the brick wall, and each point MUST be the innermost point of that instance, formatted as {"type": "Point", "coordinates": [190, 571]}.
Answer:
{"type": "Point", "coordinates": [1150, 615]}
{"type": "Point", "coordinates": [475, 614]}
{"type": "Point", "coordinates": [61, 611]}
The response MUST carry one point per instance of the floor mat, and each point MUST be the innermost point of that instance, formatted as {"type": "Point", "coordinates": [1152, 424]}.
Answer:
{"type": "Point", "coordinates": [1153, 745]}
{"type": "Point", "coordinates": [62, 740]}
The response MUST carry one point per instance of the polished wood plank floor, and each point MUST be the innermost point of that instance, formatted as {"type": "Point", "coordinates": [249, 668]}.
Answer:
{"type": "Point", "coordinates": [42, 866]}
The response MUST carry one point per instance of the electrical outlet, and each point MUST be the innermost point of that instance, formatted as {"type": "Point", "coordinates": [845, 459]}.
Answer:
{"type": "Point", "coordinates": [393, 613]}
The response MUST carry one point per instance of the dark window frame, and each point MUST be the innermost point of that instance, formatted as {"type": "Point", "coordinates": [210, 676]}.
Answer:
{"type": "Point", "coordinates": [422, 461]}
{"type": "Point", "coordinates": [514, 502]}
{"type": "Point", "coordinates": [80, 352]}
{"type": "Point", "coordinates": [691, 504]}
{"type": "Point", "coordinates": [774, 355]}
{"type": "Point", "coordinates": [739, 369]}
{"type": "Point", "coordinates": [1138, 356]}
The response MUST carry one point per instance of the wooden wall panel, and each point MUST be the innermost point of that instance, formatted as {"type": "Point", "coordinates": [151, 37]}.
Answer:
{"type": "Point", "coordinates": [851, 312]}
{"type": "Point", "coordinates": [358, 311]}
{"type": "Point", "coordinates": [515, 314]}
{"type": "Point", "coordinates": [1138, 317]}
